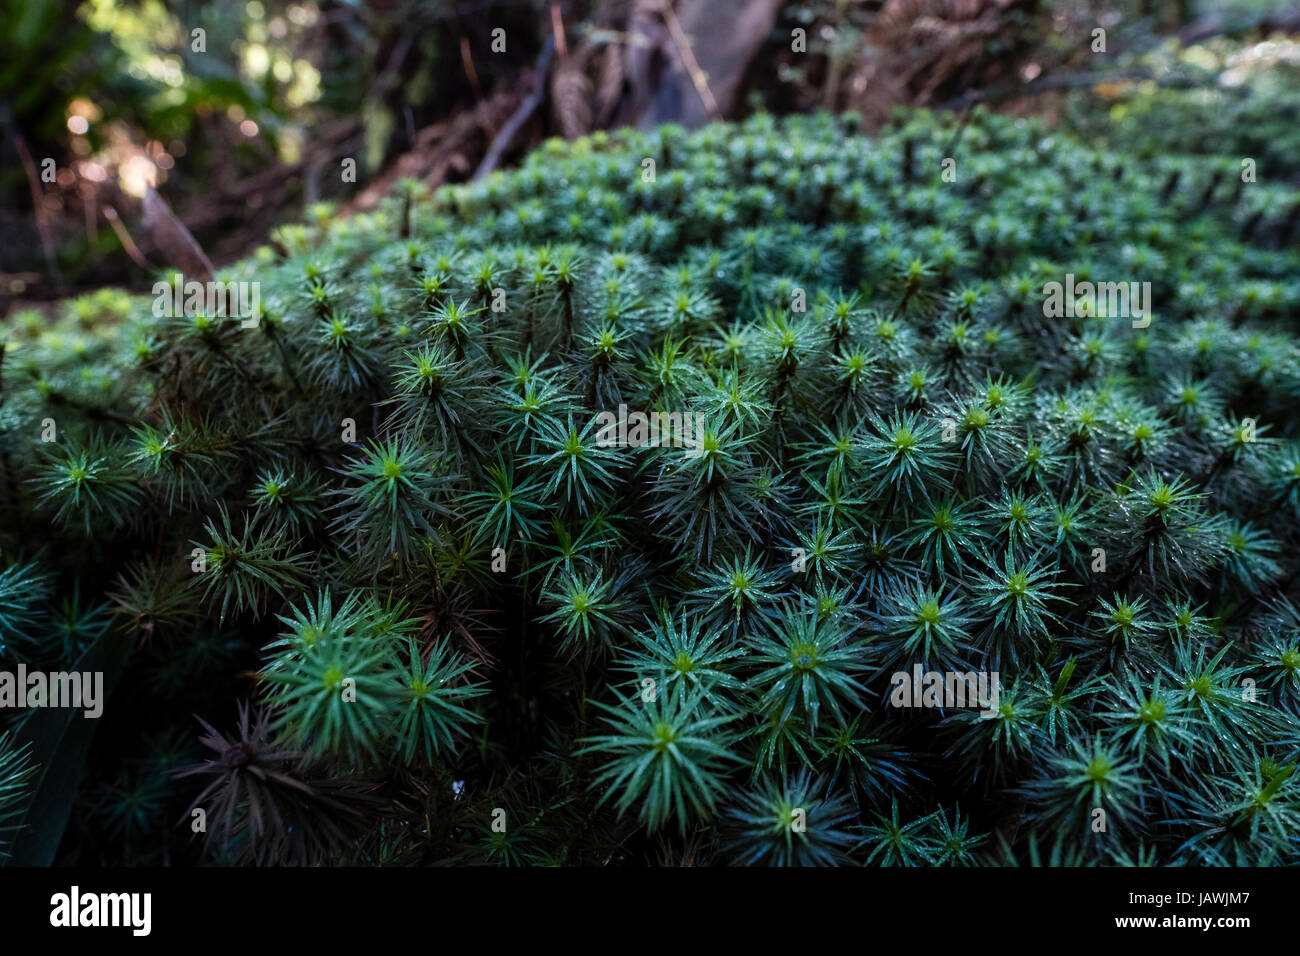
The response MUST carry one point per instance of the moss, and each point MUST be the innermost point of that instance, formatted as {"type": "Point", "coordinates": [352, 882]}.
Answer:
{"type": "Point", "coordinates": [577, 470]}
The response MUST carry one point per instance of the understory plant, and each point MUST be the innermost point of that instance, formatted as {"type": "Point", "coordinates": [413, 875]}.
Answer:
{"type": "Point", "coordinates": [651, 502]}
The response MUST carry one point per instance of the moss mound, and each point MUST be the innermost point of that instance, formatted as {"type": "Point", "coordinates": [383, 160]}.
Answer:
{"type": "Point", "coordinates": [748, 495]}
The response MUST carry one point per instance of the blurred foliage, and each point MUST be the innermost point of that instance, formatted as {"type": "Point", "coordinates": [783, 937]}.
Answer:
{"type": "Point", "coordinates": [197, 98]}
{"type": "Point", "coordinates": [1238, 101]}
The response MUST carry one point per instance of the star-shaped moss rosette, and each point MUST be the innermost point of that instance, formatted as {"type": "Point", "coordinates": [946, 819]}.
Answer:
{"type": "Point", "coordinates": [599, 512]}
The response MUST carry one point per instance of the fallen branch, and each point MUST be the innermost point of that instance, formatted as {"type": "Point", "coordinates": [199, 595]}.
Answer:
{"type": "Point", "coordinates": [38, 208]}
{"type": "Point", "coordinates": [683, 45]}
{"type": "Point", "coordinates": [442, 149]}
{"type": "Point", "coordinates": [526, 109]}
{"type": "Point", "coordinates": [124, 237]}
